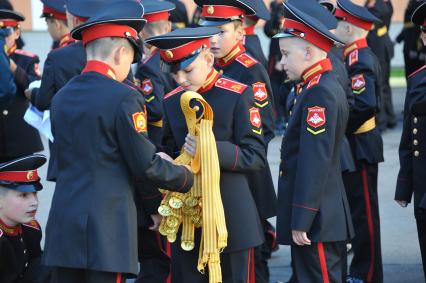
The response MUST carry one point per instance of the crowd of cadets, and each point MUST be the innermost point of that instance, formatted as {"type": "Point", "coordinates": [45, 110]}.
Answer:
{"type": "Point", "coordinates": [113, 82]}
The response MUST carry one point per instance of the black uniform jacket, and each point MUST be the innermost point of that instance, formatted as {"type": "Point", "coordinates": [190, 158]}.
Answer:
{"type": "Point", "coordinates": [254, 48]}
{"type": "Point", "coordinates": [99, 126]}
{"type": "Point", "coordinates": [311, 194]}
{"type": "Point", "coordinates": [240, 148]}
{"type": "Point", "coordinates": [364, 72]}
{"type": "Point", "coordinates": [153, 85]}
{"type": "Point", "coordinates": [20, 254]}
{"type": "Point", "coordinates": [17, 138]}
{"type": "Point", "coordinates": [240, 66]}
{"type": "Point", "coordinates": [412, 149]}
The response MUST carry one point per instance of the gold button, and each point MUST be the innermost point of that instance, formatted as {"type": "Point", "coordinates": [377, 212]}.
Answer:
{"type": "Point", "coordinates": [221, 72]}
{"type": "Point", "coordinates": [416, 153]}
{"type": "Point", "coordinates": [281, 173]}
{"type": "Point", "coordinates": [415, 142]}
{"type": "Point", "coordinates": [210, 10]}
{"type": "Point", "coordinates": [290, 113]}
{"type": "Point", "coordinates": [5, 112]}
{"type": "Point", "coordinates": [295, 100]}
{"type": "Point", "coordinates": [286, 124]}
{"type": "Point", "coordinates": [415, 131]}
{"type": "Point", "coordinates": [415, 120]}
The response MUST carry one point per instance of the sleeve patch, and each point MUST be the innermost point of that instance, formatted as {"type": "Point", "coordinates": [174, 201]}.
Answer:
{"type": "Point", "coordinates": [358, 82]}
{"type": "Point", "coordinates": [147, 87]}
{"type": "Point", "coordinates": [255, 119]}
{"type": "Point", "coordinates": [353, 57]}
{"type": "Point", "coordinates": [246, 60]}
{"type": "Point", "coordinates": [260, 92]}
{"type": "Point", "coordinates": [230, 85]}
{"type": "Point", "coordinates": [33, 224]}
{"type": "Point", "coordinates": [316, 117]}
{"type": "Point", "coordinates": [314, 81]}
{"type": "Point", "coordinates": [140, 122]}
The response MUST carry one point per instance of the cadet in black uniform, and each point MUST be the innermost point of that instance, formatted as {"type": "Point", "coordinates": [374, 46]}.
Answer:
{"type": "Point", "coordinates": [20, 233]}
{"type": "Point", "coordinates": [7, 83]}
{"type": "Point", "coordinates": [414, 50]}
{"type": "Point", "coordinates": [17, 138]}
{"type": "Point", "coordinates": [234, 62]}
{"type": "Point", "coordinates": [365, 140]}
{"type": "Point", "coordinates": [382, 46]}
{"type": "Point", "coordinates": [153, 84]}
{"type": "Point", "coordinates": [251, 41]}
{"type": "Point", "coordinates": [56, 21]}
{"type": "Point", "coordinates": [100, 130]}
{"type": "Point", "coordinates": [313, 215]}
{"type": "Point", "coordinates": [237, 129]}
{"type": "Point", "coordinates": [411, 177]}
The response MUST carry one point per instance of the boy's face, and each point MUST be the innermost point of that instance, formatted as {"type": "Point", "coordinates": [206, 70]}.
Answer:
{"type": "Point", "coordinates": [53, 28]}
{"type": "Point", "coordinates": [293, 58]}
{"type": "Point", "coordinates": [11, 39]}
{"type": "Point", "coordinates": [194, 76]}
{"type": "Point", "coordinates": [222, 43]}
{"type": "Point", "coordinates": [17, 207]}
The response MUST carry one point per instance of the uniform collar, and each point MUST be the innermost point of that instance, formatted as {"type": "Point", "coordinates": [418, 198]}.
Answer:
{"type": "Point", "coordinates": [65, 40]}
{"type": "Point", "coordinates": [99, 67]}
{"type": "Point", "coordinates": [316, 69]}
{"type": "Point", "coordinates": [249, 30]}
{"type": "Point", "coordinates": [10, 231]}
{"type": "Point", "coordinates": [211, 79]}
{"type": "Point", "coordinates": [235, 52]}
{"type": "Point", "coordinates": [12, 49]}
{"type": "Point", "coordinates": [358, 44]}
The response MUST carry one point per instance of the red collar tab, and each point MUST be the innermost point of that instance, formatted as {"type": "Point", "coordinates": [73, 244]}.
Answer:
{"type": "Point", "coordinates": [222, 12]}
{"type": "Point", "coordinates": [12, 50]}
{"type": "Point", "coordinates": [249, 30]}
{"type": "Point", "coordinates": [155, 17]}
{"type": "Point", "coordinates": [99, 67]}
{"type": "Point", "coordinates": [9, 23]}
{"type": "Point", "coordinates": [54, 13]}
{"type": "Point", "coordinates": [211, 79]}
{"type": "Point", "coordinates": [342, 14]}
{"type": "Point", "coordinates": [108, 30]}
{"type": "Point", "coordinates": [304, 32]}
{"type": "Point", "coordinates": [235, 52]}
{"type": "Point", "coordinates": [360, 43]}
{"type": "Point", "coordinates": [10, 231]}
{"type": "Point", "coordinates": [316, 69]}
{"type": "Point", "coordinates": [20, 176]}
{"type": "Point", "coordinates": [65, 40]}
{"type": "Point", "coordinates": [180, 52]}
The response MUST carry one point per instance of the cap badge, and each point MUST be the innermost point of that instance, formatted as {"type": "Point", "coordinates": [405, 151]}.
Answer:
{"type": "Point", "coordinates": [169, 54]}
{"type": "Point", "coordinates": [30, 175]}
{"type": "Point", "coordinates": [210, 10]}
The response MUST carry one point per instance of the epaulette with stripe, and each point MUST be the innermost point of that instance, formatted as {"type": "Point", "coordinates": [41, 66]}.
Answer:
{"type": "Point", "coordinates": [173, 92]}
{"type": "Point", "coordinates": [25, 53]}
{"type": "Point", "coordinates": [314, 81]}
{"type": "Point", "coordinates": [353, 57]}
{"type": "Point", "coordinates": [230, 85]}
{"type": "Point", "coordinates": [246, 60]}
{"type": "Point", "coordinates": [33, 224]}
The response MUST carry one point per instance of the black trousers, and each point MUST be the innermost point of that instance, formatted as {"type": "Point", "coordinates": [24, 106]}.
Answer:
{"type": "Point", "coordinates": [74, 275]}
{"type": "Point", "coordinates": [153, 260]}
{"type": "Point", "coordinates": [361, 190]}
{"type": "Point", "coordinates": [421, 230]}
{"type": "Point", "coordinates": [319, 262]}
{"type": "Point", "coordinates": [237, 267]}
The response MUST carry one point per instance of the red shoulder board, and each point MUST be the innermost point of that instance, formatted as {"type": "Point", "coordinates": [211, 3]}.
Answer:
{"type": "Point", "coordinates": [314, 81]}
{"type": "Point", "coordinates": [147, 87]}
{"type": "Point", "coordinates": [33, 224]}
{"type": "Point", "coordinates": [25, 53]}
{"type": "Point", "coordinates": [353, 57]}
{"type": "Point", "coordinates": [246, 60]}
{"type": "Point", "coordinates": [173, 92]}
{"type": "Point", "coordinates": [230, 85]}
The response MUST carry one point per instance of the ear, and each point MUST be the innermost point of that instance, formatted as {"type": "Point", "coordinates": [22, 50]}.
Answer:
{"type": "Point", "coordinates": [119, 53]}
{"type": "Point", "coordinates": [240, 32]}
{"type": "Point", "coordinates": [167, 27]}
{"type": "Point", "coordinates": [209, 58]}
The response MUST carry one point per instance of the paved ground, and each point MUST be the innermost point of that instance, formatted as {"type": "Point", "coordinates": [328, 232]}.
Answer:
{"type": "Point", "coordinates": [400, 248]}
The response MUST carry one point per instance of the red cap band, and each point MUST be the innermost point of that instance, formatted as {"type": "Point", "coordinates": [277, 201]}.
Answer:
{"type": "Point", "coordinates": [108, 30]}
{"type": "Point", "coordinates": [155, 17]}
{"type": "Point", "coordinates": [308, 34]}
{"type": "Point", "coordinates": [20, 176]}
{"type": "Point", "coordinates": [178, 53]}
{"type": "Point", "coordinates": [353, 20]}
{"type": "Point", "coordinates": [55, 13]}
{"type": "Point", "coordinates": [8, 23]}
{"type": "Point", "coordinates": [221, 11]}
